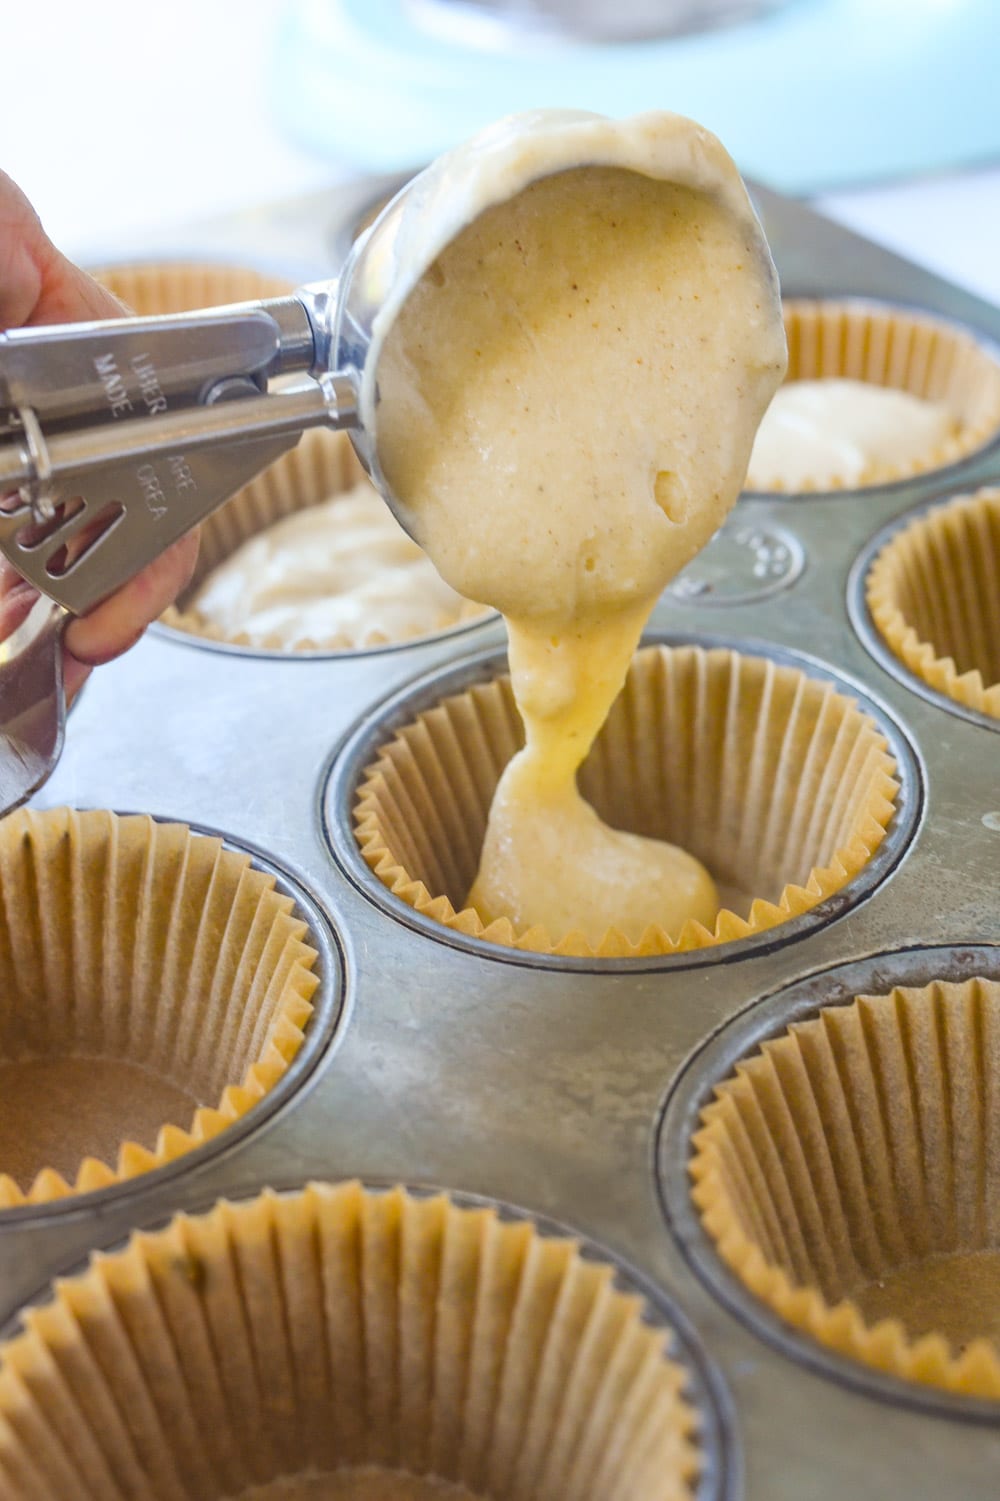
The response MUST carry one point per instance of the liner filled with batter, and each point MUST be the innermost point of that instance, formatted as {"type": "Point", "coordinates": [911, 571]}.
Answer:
{"type": "Point", "coordinates": [911, 354]}
{"type": "Point", "coordinates": [153, 987]}
{"type": "Point", "coordinates": [848, 1174]}
{"type": "Point", "coordinates": [323, 465]}
{"type": "Point", "coordinates": [934, 594]}
{"type": "Point", "coordinates": [342, 1343]}
{"type": "Point", "coordinates": [406, 601]}
{"type": "Point", "coordinates": [781, 786]}
{"type": "Point", "coordinates": [322, 468]}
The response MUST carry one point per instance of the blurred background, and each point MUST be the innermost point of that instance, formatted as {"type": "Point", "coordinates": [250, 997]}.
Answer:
{"type": "Point", "coordinates": [125, 124]}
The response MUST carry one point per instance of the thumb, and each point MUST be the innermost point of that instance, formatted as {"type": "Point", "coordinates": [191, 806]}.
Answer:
{"type": "Point", "coordinates": [37, 283]}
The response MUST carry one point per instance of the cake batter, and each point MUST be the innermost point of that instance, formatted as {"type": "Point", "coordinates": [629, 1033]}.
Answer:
{"type": "Point", "coordinates": [568, 399]}
{"type": "Point", "coordinates": [829, 433]}
{"type": "Point", "coordinates": [342, 574]}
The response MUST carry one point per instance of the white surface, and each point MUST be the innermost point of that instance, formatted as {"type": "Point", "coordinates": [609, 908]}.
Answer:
{"type": "Point", "coordinates": [119, 119]}
{"type": "Point", "coordinates": [950, 224]}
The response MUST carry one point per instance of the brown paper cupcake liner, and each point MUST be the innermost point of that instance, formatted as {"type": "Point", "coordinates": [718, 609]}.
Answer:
{"type": "Point", "coordinates": [907, 351]}
{"type": "Point", "coordinates": [780, 785]}
{"type": "Point", "coordinates": [934, 594]}
{"type": "Point", "coordinates": [323, 465]}
{"type": "Point", "coordinates": [245, 1351]}
{"type": "Point", "coordinates": [848, 1173]}
{"type": "Point", "coordinates": [153, 984]}
{"type": "Point", "coordinates": [150, 287]}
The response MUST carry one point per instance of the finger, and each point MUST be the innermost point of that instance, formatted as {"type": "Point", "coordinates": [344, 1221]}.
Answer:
{"type": "Point", "coordinates": [75, 674]}
{"type": "Point", "coordinates": [37, 284]}
{"type": "Point", "coordinates": [69, 295]}
{"type": "Point", "coordinates": [17, 597]}
{"type": "Point", "coordinates": [118, 623]}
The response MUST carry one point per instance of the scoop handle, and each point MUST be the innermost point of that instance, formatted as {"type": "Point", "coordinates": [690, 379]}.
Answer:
{"type": "Point", "coordinates": [117, 437]}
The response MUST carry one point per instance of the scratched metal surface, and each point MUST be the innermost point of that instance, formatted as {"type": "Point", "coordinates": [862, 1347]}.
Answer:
{"type": "Point", "coordinates": [565, 1089]}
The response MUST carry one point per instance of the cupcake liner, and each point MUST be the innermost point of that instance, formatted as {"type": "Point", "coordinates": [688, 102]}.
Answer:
{"type": "Point", "coordinates": [323, 465]}
{"type": "Point", "coordinates": [934, 595]}
{"type": "Point", "coordinates": [153, 985]}
{"type": "Point", "coordinates": [292, 1337]}
{"type": "Point", "coordinates": [150, 287]}
{"type": "Point", "coordinates": [907, 351]}
{"type": "Point", "coordinates": [848, 1174]}
{"type": "Point", "coordinates": [780, 785]}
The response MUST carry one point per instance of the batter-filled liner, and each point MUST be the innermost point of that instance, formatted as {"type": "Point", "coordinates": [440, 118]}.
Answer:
{"type": "Point", "coordinates": [907, 351]}
{"type": "Point", "coordinates": [322, 466]}
{"type": "Point", "coordinates": [849, 1174]}
{"type": "Point", "coordinates": [934, 595]}
{"type": "Point", "coordinates": [153, 987]}
{"type": "Point", "coordinates": [779, 784]}
{"type": "Point", "coordinates": [323, 1333]}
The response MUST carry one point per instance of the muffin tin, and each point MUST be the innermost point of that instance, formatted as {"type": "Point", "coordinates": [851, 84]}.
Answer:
{"type": "Point", "coordinates": [569, 1088]}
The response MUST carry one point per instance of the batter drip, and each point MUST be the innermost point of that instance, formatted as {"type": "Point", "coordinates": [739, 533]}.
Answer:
{"type": "Point", "coordinates": [568, 399]}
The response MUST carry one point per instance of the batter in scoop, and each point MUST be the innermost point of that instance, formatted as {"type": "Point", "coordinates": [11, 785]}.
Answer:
{"type": "Point", "coordinates": [568, 399]}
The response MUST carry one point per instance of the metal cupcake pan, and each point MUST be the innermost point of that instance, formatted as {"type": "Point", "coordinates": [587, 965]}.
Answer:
{"type": "Point", "coordinates": [544, 1084]}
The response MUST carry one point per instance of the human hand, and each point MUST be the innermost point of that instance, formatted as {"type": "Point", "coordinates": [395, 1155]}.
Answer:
{"type": "Point", "coordinates": [39, 285]}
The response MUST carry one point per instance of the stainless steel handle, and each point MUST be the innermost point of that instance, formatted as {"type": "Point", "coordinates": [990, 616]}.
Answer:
{"type": "Point", "coordinates": [69, 456]}
{"type": "Point", "coordinates": [127, 491]}
{"type": "Point", "coordinates": [125, 368]}
{"type": "Point", "coordinates": [115, 439]}
{"type": "Point", "coordinates": [120, 436]}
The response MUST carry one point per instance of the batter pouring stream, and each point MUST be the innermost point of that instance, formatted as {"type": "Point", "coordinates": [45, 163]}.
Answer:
{"type": "Point", "coordinates": [568, 400]}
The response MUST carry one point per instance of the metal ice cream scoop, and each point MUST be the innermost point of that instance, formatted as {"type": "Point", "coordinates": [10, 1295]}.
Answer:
{"type": "Point", "coordinates": [117, 437]}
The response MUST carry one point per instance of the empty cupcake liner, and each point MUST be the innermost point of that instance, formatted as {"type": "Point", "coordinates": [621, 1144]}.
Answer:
{"type": "Point", "coordinates": [346, 1334]}
{"type": "Point", "coordinates": [849, 1174]}
{"type": "Point", "coordinates": [934, 595]}
{"type": "Point", "coordinates": [905, 350]}
{"type": "Point", "coordinates": [153, 987]}
{"type": "Point", "coordinates": [150, 287]}
{"type": "Point", "coordinates": [778, 783]}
